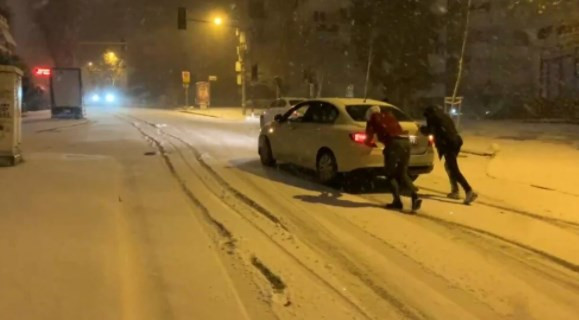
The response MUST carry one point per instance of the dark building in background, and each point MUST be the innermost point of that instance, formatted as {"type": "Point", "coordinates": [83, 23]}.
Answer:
{"type": "Point", "coordinates": [7, 42]}
{"type": "Point", "coordinates": [303, 47]}
{"type": "Point", "coordinates": [306, 45]}
{"type": "Point", "coordinates": [517, 54]}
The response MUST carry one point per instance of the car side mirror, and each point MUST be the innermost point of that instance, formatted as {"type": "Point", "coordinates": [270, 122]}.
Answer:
{"type": "Point", "coordinates": [278, 118]}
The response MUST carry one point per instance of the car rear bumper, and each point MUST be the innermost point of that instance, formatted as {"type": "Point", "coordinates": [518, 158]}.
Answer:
{"type": "Point", "coordinates": [373, 160]}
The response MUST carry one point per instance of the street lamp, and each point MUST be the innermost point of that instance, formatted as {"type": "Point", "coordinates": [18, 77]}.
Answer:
{"type": "Point", "coordinates": [111, 57]}
{"type": "Point", "coordinates": [242, 49]}
{"type": "Point", "coordinates": [90, 64]}
{"type": "Point", "coordinates": [218, 21]}
{"type": "Point", "coordinates": [241, 60]}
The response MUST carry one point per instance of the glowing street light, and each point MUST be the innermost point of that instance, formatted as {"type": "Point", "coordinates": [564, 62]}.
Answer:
{"type": "Point", "coordinates": [111, 58]}
{"type": "Point", "coordinates": [218, 21]}
{"type": "Point", "coordinates": [90, 64]}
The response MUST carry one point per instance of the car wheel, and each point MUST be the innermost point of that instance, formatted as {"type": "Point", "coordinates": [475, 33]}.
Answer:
{"type": "Point", "coordinates": [327, 167]}
{"type": "Point", "coordinates": [265, 153]}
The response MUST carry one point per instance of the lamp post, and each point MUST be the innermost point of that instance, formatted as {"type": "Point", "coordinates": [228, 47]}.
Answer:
{"type": "Point", "coordinates": [242, 48]}
{"type": "Point", "coordinates": [241, 60]}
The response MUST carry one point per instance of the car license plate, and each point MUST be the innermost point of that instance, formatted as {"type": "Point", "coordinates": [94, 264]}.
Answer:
{"type": "Point", "coordinates": [413, 140]}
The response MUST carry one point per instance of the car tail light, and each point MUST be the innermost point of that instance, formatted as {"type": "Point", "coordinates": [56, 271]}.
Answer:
{"type": "Point", "coordinates": [430, 140]}
{"type": "Point", "coordinates": [360, 137]}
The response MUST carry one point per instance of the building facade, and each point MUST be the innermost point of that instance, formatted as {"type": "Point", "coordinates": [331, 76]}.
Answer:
{"type": "Point", "coordinates": [7, 43]}
{"type": "Point", "coordinates": [303, 46]}
{"type": "Point", "coordinates": [519, 53]}
{"type": "Point", "coordinates": [308, 45]}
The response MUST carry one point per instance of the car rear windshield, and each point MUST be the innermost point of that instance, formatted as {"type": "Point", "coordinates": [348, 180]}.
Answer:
{"type": "Point", "coordinates": [294, 102]}
{"type": "Point", "coordinates": [358, 112]}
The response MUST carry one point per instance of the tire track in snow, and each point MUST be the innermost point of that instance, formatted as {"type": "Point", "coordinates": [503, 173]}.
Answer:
{"type": "Point", "coordinates": [361, 275]}
{"type": "Point", "coordinates": [219, 226]}
{"type": "Point", "coordinates": [349, 265]}
{"type": "Point", "coordinates": [408, 314]}
{"type": "Point", "coordinates": [239, 195]}
{"type": "Point", "coordinates": [568, 225]}
{"type": "Point", "coordinates": [545, 255]}
{"type": "Point", "coordinates": [56, 129]}
{"type": "Point", "coordinates": [473, 231]}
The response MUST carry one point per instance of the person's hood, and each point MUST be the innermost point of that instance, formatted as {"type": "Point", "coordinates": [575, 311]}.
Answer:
{"type": "Point", "coordinates": [432, 112]}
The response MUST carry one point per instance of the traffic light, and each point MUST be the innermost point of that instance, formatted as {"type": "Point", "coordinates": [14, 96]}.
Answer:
{"type": "Point", "coordinates": [254, 72]}
{"type": "Point", "coordinates": [182, 18]}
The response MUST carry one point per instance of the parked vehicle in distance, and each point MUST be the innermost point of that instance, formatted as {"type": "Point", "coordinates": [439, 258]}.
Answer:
{"type": "Point", "coordinates": [328, 136]}
{"type": "Point", "coordinates": [278, 106]}
{"type": "Point", "coordinates": [66, 93]}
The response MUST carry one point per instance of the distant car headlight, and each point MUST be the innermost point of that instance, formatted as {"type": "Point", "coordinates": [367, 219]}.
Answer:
{"type": "Point", "coordinates": [95, 98]}
{"type": "Point", "coordinates": [110, 97]}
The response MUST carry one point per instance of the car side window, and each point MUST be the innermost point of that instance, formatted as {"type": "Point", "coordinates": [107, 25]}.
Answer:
{"type": "Point", "coordinates": [323, 113]}
{"type": "Point", "coordinates": [328, 113]}
{"type": "Point", "coordinates": [314, 113]}
{"type": "Point", "coordinates": [297, 114]}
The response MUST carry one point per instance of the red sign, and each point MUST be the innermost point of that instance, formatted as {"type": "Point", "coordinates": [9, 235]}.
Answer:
{"type": "Point", "coordinates": [42, 72]}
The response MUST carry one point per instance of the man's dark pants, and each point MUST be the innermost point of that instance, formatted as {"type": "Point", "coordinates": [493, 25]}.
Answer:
{"type": "Point", "coordinates": [397, 157]}
{"type": "Point", "coordinates": [451, 166]}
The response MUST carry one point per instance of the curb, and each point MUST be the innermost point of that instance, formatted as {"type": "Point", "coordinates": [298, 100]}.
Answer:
{"type": "Point", "coordinates": [201, 114]}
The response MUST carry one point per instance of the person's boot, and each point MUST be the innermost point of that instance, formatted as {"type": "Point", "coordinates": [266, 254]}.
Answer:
{"type": "Point", "coordinates": [396, 205]}
{"type": "Point", "coordinates": [416, 203]}
{"type": "Point", "coordinates": [470, 197]}
{"type": "Point", "coordinates": [455, 195]}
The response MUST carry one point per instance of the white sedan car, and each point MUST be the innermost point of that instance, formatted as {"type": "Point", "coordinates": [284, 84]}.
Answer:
{"type": "Point", "coordinates": [278, 106]}
{"type": "Point", "coordinates": [328, 135]}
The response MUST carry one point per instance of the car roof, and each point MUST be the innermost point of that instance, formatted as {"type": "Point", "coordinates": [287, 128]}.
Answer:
{"type": "Point", "coordinates": [343, 102]}
{"type": "Point", "coordinates": [292, 98]}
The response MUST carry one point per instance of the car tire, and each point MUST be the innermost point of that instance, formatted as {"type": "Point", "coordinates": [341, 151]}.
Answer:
{"type": "Point", "coordinates": [327, 167]}
{"type": "Point", "coordinates": [265, 153]}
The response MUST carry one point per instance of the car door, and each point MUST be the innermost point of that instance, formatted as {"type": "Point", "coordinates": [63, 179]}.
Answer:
{"type": "Point", "coordinates": [285, 132]}
{"type": "Point", "coordinates": [314, 133]}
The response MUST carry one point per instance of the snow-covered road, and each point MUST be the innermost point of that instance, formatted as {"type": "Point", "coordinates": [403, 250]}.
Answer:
{"type": "Point", "coordinates": [92, 228]}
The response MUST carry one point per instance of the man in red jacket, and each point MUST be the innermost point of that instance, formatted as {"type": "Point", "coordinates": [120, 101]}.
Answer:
{"type": "Point", "coordinates": [386, 127]}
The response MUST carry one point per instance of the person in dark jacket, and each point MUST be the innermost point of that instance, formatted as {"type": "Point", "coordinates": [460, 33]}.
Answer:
{"type": "Point", "coordinates": [396, 153]}
{"type": "Point", "coordinates": [448, 143]}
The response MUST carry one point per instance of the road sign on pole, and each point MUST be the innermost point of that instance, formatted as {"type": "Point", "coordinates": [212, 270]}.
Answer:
{"type": "Point", "coordinates": [186, 76]}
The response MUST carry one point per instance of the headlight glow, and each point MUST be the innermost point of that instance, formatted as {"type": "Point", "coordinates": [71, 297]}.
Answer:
{"type": "Point", "coordinates": [95, 98]}
{"type": "Point", "coordinates": [110, 97]}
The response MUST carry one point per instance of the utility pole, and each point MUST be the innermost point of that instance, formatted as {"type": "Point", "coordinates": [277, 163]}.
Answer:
{"type": "Point", "coordinates": [242, 76]}
{"type": "Point", "coordinates": [242, 48]}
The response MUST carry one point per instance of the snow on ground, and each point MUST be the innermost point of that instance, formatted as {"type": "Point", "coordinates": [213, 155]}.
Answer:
{"type": "Point", "coordinates": [511, 255]}
{"type": "Point", "coordinates": [230, 113]}
{"type": "Point", "coordinates": [92, 228]}
{"type": "Point", "coordinates": [534, 154]}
